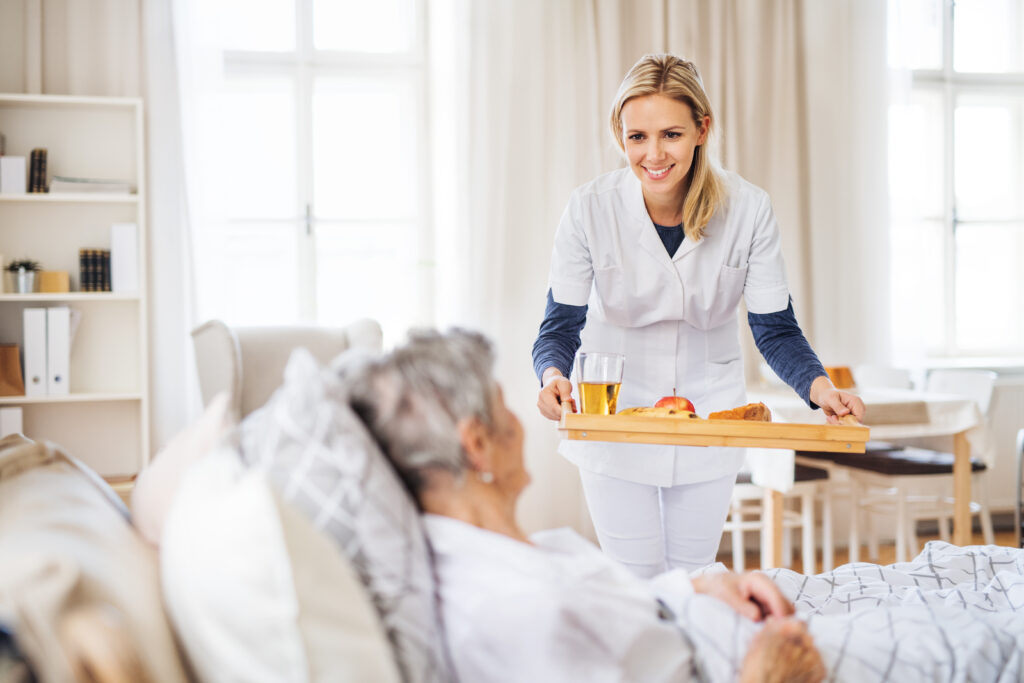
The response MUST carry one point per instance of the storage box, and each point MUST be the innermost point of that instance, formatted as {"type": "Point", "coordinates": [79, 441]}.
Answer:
{"type": "Point", "coordinates": [54, 281]}
{"type": "Point", "coordinates": [12, 175]}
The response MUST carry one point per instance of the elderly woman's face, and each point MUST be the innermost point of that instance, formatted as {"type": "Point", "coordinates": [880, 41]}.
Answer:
{"type": "Point", "coordinates": [510, 475]}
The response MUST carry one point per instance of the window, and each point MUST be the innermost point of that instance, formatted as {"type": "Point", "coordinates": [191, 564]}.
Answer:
{"type": "Point", "coordinates": [956, 169]}
{"type": "Point", "coordinates": [312, 160]}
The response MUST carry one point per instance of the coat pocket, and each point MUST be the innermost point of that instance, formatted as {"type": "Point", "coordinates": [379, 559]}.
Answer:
{"type": "Point", "coordinates": [727, 295]}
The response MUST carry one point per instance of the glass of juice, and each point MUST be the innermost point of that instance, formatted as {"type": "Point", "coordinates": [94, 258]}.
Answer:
{"type": "Point", "coordinates": [598, 377]}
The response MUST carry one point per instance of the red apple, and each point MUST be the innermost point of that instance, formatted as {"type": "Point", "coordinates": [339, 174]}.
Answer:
{"type": "Point", "coordinates": [677, 402]}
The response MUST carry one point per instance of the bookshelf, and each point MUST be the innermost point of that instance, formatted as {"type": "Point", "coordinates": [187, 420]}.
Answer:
{"type": "Point", "coordinates": [104, 421]}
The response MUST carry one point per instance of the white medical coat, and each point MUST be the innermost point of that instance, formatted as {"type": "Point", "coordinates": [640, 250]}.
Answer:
{"type": "Point", "coordinates": [559, 610]}
{"type": "Point", "coordinates": [674, 318]}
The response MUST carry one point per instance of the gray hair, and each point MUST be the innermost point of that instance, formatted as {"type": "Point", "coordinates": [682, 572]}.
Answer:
{"type": "Point", "coordinates": [413, 399]}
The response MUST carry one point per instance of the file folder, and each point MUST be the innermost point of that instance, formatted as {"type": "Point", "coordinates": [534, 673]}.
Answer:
{"type": "Point", "coordinates": [58, 350]}
{"type": "Point", "coordinates": [35, 352]}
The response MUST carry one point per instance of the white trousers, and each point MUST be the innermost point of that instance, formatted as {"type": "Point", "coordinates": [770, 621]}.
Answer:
{"type": "Point", "coordinates": [651, 529]}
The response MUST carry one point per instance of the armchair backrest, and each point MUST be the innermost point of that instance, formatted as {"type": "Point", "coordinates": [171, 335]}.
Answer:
{"type": "Point", "coordinates": [249, 362]}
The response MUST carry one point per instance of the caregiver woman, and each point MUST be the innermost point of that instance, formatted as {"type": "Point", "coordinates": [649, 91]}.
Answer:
{"type": "Point", "coordinates": [650, 261]}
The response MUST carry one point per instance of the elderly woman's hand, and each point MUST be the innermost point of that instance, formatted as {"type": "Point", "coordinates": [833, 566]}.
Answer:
{"type": "Point", "coordinates": [556, 389]}
{"type": "Point", "coordinates": [783, 652]}
{"type": "Point", "coordinates": [835, 403]}
{"type": "Point", "coordinates": [753, 595]}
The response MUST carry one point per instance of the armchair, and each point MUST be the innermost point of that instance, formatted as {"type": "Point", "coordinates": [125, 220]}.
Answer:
{"type": "Point", "coordinates": [248, 362]}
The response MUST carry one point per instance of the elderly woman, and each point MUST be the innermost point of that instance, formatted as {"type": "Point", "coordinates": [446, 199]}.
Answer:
{"type": "Point", "coordinates": [552, 607]}
{"type": "Point", "coordinates": [543, 608]}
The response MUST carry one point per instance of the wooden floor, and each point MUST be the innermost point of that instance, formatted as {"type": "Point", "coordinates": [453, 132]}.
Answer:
{"type": "Point", "coordinates": [887, 553]}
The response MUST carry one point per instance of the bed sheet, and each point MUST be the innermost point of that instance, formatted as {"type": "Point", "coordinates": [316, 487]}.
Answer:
{"type": "Point", "coordinates": [951, 614]}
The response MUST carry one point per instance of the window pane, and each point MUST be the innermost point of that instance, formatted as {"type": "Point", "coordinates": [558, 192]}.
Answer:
{"type": "Point", "coordinates": [915, 156]}
{"type": "Point", "coordinates": [915, 34]}
{"type": "Point", "coordinates": [257, 24]}
{"type": "Point", "coordinates": [987, 35]}
{"type": "Point", "coordinates": [365, 156]}
{"type": "Point", "coordinates": [989, 288]}
{"type": "Point", "coordinates": [918, 305]}
{"type": "Point", "coordinates": [381, 26]}
{"type": "Point", "coordinates": [252, 161]}
{"type": "Point", "coordinates": [367, 270]}
{"type": "Point", "coordinates": [250, 273]}
{"type": "Point", "coordinates": [988, 161]}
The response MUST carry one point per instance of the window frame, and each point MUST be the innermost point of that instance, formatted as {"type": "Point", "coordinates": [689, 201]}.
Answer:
{"type": "Point", "coordinates": [951, 85]}
{"type": "Point", "coordinates": [302, 66]}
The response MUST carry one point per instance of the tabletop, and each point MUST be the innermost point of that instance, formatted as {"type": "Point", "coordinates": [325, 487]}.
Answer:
{"type": "Point", "coordinates": [892, 414]}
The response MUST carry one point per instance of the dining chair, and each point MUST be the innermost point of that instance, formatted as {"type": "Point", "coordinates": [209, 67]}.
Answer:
{"type": "Point", "coordinates": [898, 480]}
{"type": "Point", "coordinates": [745, 514]}
{"type": "Point", "coordinates": [839, 485]}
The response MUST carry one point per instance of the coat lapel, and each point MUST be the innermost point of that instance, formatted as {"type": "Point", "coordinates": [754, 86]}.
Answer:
{"type": "Point", "coordinates": [647, 235]}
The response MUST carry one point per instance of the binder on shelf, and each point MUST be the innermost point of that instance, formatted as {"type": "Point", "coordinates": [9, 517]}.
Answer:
{"type": "Point", "coordinates": [35, 352]}
{"type": "Point", "coordinates": [12, 175]}
{"type": "Point", "coordinates": [58, 350]}
{"type": "Point", "coordinates": [124, 258]}
{"type": "Point", "coordinates": [10, 421]}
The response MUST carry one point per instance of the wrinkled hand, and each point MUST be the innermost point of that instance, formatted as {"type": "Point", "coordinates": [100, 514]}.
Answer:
{"type": "Point", "coordinates": [783, 652]}
{"type": "Point", "coordinates": [555, 390]}
{"type": "Point", "coordinates": [752, 595]}
{"type": "Point", "coordinates": [835, 403]}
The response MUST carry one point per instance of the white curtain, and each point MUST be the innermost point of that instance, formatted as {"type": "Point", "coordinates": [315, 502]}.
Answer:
{"type": "Point", "coordinates": [523, 120]}
{"type": "Point", "coordinates": [69, 47]}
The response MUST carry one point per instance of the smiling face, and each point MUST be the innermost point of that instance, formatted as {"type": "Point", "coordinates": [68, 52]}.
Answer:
{"type": "Point", "coordinates": [659, 137]}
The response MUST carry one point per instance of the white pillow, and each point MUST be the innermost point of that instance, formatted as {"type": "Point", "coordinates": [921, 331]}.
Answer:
{"type": "Point", "coordinates": [157, 484]}
{"type": "Point", "coordinates": [256, 593]}
{"type": "Point", "coordinates": [320, 456]}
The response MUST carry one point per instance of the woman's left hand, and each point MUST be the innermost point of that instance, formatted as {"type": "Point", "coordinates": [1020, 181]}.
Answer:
{"type": "Point", "coordinates": [835, 403]}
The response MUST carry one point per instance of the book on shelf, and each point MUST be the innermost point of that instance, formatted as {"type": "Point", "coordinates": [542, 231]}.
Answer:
{"type": "Point", "coordinates": [64, 184]}
{"type": "Point", "coordinates": [94, 270]}
{"type": "Point", "coordinates": [37, 170]}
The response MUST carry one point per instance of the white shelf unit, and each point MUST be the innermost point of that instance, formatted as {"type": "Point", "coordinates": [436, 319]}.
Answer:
{"type": "Point", "coordinates": [105, 419]}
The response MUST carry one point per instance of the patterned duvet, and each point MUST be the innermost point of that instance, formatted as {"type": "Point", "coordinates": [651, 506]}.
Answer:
{"type": "Point", "coordinates": [951, 614]}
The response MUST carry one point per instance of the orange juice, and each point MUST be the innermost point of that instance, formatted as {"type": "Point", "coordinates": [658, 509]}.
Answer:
{"type": "Point", "coordinates": [599, 398]}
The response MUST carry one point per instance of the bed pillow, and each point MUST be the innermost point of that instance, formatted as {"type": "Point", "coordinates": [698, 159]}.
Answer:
{"type": "Point", "coordinates": [72, 564]}
{"type": "Point", "coordinates": [157, 484]}
{"type": "Point", "coordinates": [320, 456]}
{"type": "Point", "coordinates": [258, 594]}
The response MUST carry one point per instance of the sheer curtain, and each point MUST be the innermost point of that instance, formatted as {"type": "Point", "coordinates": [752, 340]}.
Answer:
{"type": "Point", "coordinates": [522, 120]}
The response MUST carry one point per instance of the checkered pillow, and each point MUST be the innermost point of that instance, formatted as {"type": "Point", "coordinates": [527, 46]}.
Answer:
{"type": "Point", "coordinates": [320, 456]}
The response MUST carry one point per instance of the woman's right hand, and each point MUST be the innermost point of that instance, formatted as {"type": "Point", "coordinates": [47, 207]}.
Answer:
{"type": "Point", "coordinates": [556, 389]}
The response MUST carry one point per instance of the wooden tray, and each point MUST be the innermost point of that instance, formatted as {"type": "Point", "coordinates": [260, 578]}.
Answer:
{"type": "Point", "coordinates": [669, 430]}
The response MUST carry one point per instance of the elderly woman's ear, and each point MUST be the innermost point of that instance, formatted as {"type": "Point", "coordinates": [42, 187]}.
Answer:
{"type": "Point", "coordinates": [475, 438]}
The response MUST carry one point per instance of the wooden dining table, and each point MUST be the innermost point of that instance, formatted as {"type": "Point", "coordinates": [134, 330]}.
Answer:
{"type": "Point", "coordinates": [892, 414]}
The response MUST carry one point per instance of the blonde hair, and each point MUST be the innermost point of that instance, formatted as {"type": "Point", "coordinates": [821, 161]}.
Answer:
{"type": "Point", "coordinates": [677, 78]}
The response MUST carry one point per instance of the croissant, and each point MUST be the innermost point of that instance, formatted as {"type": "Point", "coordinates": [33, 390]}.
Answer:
{"type": "Point", "coordinates": [756, 412]}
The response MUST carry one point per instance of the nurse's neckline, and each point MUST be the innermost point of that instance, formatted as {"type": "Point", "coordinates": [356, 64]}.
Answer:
{"type": "Point", "coordinates": [667, 227]}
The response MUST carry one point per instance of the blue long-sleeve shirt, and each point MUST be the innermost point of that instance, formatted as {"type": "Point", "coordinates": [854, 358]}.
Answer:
{"type": "Point", "coordinates": [777, 335]}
